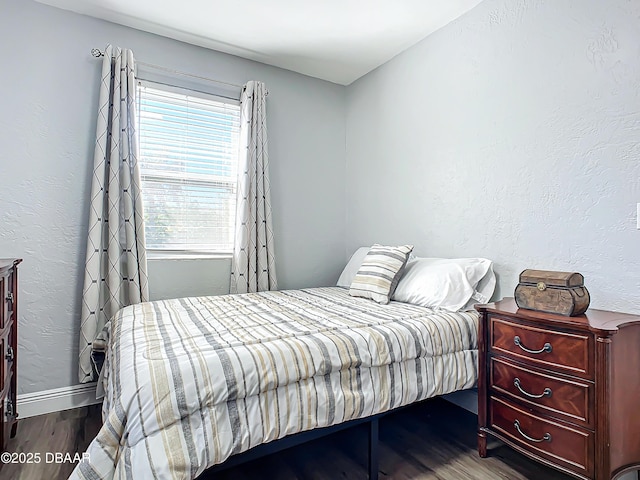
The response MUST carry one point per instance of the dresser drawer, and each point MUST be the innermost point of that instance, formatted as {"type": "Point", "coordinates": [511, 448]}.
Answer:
{"type": "Point", "coordinates": [549, 393]}
{"type": "Point", "coordinates": [544, 347]}
{"type": "Point", "coordinates": [4, 303]}
{"type": "Point", "coordinates": [4, 367]}
{"type": "Point", "coordinates": [572, 448]}
{"type": "Point", "coordinates": [7, 359]}
{"type": "Point", "coordinates": [8, 414]}
{"type": "Point", "coordinates": [5, 429]}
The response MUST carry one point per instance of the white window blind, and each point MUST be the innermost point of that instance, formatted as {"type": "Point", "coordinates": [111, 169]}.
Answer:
{"type": "Point", "coordinates": [188, 164]}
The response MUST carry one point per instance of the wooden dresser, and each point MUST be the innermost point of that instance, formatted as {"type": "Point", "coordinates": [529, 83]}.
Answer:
{"type": "Point", "coordinates": [564, 391]}
{"type": "Point", "coordinates": [8, 348]}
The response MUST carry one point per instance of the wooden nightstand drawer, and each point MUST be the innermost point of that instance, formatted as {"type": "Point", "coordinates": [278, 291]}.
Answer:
{"type": "Point", "coordinates": [548, 393]}
{"type": "Point", "coordinates": [548, 348]}
{"type": "Point", "coordinates": [570, 447]}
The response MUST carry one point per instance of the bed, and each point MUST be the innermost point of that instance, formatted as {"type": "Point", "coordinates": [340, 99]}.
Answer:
{"type": "Point", "coordinates": [191, 382]}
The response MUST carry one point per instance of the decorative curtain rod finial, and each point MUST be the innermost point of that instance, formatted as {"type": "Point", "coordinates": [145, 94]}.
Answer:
{"type": "Point", "coordinates": [96, 53]}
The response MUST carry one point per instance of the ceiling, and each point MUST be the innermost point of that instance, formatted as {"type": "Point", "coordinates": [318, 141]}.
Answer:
{"type": "Point", "coordinates": [335, 40]}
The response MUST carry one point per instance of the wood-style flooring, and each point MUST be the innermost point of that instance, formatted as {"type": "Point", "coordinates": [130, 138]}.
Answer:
{"type": "Point", "coordinates": [429, 441]}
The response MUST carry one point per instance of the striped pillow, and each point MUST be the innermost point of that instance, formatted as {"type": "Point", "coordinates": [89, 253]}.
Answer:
{"type": "Point", "coordinates": [380, 272]}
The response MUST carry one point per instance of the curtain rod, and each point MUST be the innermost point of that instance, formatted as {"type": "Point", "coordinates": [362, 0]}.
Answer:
{"type": "Point", "coordinates": [98, 53]}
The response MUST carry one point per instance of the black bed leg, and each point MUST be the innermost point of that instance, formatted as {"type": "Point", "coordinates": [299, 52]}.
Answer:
{"type": "Point", "coordinates": [373, 449]}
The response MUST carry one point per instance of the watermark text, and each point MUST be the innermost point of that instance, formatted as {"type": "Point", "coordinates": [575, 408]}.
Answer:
{"type": "Point", "coordinates": [46, 457]}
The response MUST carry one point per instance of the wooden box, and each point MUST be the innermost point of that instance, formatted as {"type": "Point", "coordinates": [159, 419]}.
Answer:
{"type": "Point", "coordinates": [561, 293]}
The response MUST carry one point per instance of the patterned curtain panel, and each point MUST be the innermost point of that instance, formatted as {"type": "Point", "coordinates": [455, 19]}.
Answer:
{"type": "Point", "coordinates": [253, 268]}
{"type": "Point", "coordinates": [116, 263]}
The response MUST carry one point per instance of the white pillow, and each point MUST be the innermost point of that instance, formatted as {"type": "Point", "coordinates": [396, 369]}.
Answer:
{"type": "Point", "coordinates": [446, 283]}
{"type": "Point", "coordinates": [349, 272]}
{"type": "Point", "coordinates": [485, 288]}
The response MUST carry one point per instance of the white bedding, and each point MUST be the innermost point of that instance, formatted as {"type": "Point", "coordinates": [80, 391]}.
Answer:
{"type": "Point", "coordinates": [191, 381]}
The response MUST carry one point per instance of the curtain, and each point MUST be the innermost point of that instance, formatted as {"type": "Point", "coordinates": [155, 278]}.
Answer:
{"type": "Point", "coordinates": [253, 266]}
{"type": "Point", "coordinates": [116, 265]}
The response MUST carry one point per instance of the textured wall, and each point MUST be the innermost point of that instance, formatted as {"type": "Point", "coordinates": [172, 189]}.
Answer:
{"type": "Point", "coordinates": [48, 98]}
{"type": "Point", "coordinates": [513, 133]}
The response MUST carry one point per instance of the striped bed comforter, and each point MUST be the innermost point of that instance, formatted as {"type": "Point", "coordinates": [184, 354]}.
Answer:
{"type": "Point", "coordinates": [191, 381]}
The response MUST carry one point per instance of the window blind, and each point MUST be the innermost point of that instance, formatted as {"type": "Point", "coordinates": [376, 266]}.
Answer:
{"type": "Point", "coordinates": [188, 162]}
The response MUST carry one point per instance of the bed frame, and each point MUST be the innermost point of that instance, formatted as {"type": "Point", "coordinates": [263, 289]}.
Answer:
{"type": "Point", "coordinates": [303, 437]}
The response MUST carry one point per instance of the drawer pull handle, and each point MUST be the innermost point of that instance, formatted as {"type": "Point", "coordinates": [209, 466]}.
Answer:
{"type": "Point", "coordinates": [545, 393]}
{"type": "Point", "coordinates": [545, 438]}
{"type": "Point", "coordinates": [546, 348]}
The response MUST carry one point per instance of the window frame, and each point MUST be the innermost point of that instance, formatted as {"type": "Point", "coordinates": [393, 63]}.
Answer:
{"type": "Point", "coordinates": [162, 81]}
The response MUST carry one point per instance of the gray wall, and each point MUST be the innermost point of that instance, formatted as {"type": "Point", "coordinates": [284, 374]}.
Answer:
{"type": "Point", "coordinates": [513, 134]}
{"type": "Point", "coordinates": [48, 106]}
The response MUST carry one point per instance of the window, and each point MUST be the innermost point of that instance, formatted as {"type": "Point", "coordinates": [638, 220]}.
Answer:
{"type": "Point", "coordinates": [188, 164]}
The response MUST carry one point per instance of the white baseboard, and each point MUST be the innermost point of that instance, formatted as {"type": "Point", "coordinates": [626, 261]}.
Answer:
{"type": "Point", "coordinates": [467, 399]}
{"type": "Point", "coordinates": [57, 399]}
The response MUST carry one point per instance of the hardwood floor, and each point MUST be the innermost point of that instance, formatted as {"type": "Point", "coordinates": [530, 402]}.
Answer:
{"type": "Point", "coordinates": [433, 440]}
{"type": "Point", "coordinates": [63, 432]}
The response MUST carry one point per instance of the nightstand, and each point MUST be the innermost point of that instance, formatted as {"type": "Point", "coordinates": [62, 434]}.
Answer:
{"type": "Point", "coordinates": [564, 391]}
